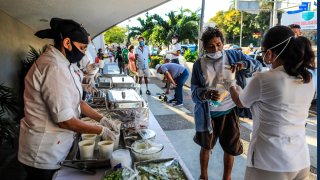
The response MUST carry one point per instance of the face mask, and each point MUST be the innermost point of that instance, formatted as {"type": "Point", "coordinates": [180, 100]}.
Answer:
{"type": "Point", "coordinates": [269, 64]}
{"type": "Point", "coordinates": [75, 55]}
{"type": "Point", "coordinates": [214, 56]}
{"type": "Point", "coordinates": [141, 43]}
{"type": "Point", "coordinates": [174, 41]}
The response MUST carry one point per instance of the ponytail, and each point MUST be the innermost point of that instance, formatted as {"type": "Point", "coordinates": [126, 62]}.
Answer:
{"type": "Point", "coordinates": [300, 59]}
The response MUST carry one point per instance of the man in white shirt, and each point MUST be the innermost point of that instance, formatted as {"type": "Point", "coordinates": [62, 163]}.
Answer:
{"type": "Point", "coordinates": [176, 49]}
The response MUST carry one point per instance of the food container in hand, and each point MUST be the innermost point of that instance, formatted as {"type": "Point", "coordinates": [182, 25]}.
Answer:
{"type": "Point", "coordinates": [146, 150]}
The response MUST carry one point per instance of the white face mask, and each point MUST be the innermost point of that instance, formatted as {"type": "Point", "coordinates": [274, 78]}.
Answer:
{"type": "Point", "coordinates": [214, 56]}
{"type": "Point", "coordinates": [174, 41]}
{"type": "Point", "coordinates": [269, 65]}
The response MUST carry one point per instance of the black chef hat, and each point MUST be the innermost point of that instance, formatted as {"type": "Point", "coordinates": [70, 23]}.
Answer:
{"type": "Point", "coordinates": [63, 28]}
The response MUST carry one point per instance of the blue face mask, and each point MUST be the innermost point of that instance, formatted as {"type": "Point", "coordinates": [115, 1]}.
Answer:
{"type": "Point", "coordinates": [141, 43]}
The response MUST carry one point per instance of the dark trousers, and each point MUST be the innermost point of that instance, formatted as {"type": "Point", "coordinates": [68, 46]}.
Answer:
{"type": "Point", "coordinates": [121, 66]}
{"type": "Point", "coordinates": [180, 80]}
{"type": "Point", "coordinates": [38, 174]}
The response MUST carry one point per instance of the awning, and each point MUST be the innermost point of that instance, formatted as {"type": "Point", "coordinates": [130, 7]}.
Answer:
{"type": "Point", "coordinates": [95, 15]}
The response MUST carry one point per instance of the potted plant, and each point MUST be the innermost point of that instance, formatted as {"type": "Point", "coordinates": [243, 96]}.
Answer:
{"type": "Point", "coordinates": [8, 114]}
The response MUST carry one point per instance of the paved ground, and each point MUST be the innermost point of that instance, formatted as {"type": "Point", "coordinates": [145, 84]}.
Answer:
{"type": "Point", "coordinates": [178, 124]}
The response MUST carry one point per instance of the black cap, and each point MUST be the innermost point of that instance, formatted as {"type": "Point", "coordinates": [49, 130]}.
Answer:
{"type": "Point", "coordinates": [63, 28]}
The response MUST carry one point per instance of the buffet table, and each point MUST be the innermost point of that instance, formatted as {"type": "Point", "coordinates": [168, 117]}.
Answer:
{"type": "Point", "coordinates": [168, 152]}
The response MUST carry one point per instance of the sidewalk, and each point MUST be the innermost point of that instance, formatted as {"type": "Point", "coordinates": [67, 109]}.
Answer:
{"type": "Point", "coordinates": [178, 124]}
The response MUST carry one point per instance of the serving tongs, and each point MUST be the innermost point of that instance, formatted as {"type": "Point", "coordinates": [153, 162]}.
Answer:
{"type": "Point", "coordinates": [81, 166]}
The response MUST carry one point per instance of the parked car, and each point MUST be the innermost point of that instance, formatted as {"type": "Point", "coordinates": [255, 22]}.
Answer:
{"type": "Point", "coordinates": [191, 47]}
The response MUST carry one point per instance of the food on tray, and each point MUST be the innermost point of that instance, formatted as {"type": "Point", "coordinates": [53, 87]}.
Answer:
{"type": "Point", "coordinates": [160, 169]}
{"type": "Point", "coordinates": [124, 173]}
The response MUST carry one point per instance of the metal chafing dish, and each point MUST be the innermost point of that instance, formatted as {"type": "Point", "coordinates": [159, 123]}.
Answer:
{"type": "Point", "coordinates": [123, 99]}
{"type": "Point", "coordinates": [110, 75]}
{"type": "Point", "coordinates": [104, 82]}
{"type": "Point", "coordinates": [122, 82]}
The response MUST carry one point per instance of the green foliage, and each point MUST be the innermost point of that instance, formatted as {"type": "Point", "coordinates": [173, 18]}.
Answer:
{"type": "Point", "coordinates": [155, 60]}
{"type": "Point", "coordinates": [190, 56]}
{"type": "Point", "coordinates": [8, 108]}
{"type": "Point", "coordinates": [115, 35]}
{"type": "Point", "coordinates": [229, 23]}
{"type": "Point", "coordinates": [158, 31]}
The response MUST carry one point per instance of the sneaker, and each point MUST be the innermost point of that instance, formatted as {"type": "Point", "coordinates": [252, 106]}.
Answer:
{"type": "Point", "coordinates": [177, 105]}
{"type": "Point", "coordinates": [148, 92]}
{"type": "Point", "coordinates": [140, 92]}
{"type": "Point", "coordinates": [172, 100]}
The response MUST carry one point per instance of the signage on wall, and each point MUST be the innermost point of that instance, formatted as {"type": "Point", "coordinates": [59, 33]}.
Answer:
{"type": "Point", "coordinates": [306, 19]}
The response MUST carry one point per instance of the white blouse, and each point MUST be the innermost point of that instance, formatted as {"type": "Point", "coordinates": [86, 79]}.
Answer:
{"type": "Point", "coordinates": [279, 104]}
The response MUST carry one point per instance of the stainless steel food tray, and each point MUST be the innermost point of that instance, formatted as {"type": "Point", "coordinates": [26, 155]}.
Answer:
{"type": "Point", "coordinates": [123, 99]}
{"type": "Point", "coordinates": [122, 82]}
{"type": "Point", "coordinates": [73, 159]}
{"type": "Point", "coordinates": [104, 82]}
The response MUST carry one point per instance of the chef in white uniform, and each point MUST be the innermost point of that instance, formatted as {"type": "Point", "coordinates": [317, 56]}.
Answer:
{"type": "Point", "coordinates": [279, 101]}
{"type": "Point", "coordinates": [53, 102]}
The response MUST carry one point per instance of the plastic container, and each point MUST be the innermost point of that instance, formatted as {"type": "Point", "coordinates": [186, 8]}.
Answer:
{"type": "Point", "coordinates": [121, 156]}
{"type": "Point", "coordinates": [146, 150]}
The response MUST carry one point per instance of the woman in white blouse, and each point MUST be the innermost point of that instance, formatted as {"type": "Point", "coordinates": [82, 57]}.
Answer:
{"type": "Point", "coordinates": [279, 101]}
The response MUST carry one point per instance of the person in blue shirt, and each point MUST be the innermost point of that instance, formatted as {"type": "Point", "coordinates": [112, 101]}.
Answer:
{"type": "Point", "coordinates": [177, 75]}
{"type": "Point", "coordinates": [214, 112]}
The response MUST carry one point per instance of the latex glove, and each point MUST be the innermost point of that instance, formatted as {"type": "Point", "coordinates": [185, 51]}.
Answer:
{"type": "Point", "coordinates": [106, 133]}
{"type": "Point", "coordinates": [229, 83]}
{"type": "Point", "coordinates": [109, 123]}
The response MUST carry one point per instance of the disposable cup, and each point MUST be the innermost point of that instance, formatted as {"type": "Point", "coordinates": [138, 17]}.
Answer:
{"type": "Point", "coordinates": [116, 141]}
{"type": "Point", "coordinates": [118, 123]}
{"type": "Point", "coordinates": [86, 148]}
{"type": "Point", "coordinates": [105, 149]}
{"type": "Point", "coordinates": [94, 137]}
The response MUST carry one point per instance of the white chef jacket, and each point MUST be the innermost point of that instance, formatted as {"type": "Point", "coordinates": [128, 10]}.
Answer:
{"type": "Point", "coordinates": [279, 104]}
{"type": "Point", "coordinates": [52, 94]}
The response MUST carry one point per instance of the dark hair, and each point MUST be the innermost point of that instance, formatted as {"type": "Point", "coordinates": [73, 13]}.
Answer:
{"type": "Point", "coordinates": [294, 26]}
{"type": "Point", "coordinates": [140, 37]}
{"type": "Point", "coordinates": [131, 47]}
{"type": "Point", "coordinates": [298, 57]}
{"type": "Point", "coordinates": [209, 33]}
{"type": "Point", "coordinates": [175, 36]}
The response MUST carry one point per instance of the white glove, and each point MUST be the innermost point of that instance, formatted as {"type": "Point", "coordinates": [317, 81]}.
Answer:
{"type": "Point", "coordinates": [107, 134]}
{"type": "Point", "coordinates": [109, 123]}
{"type": "Point", "coordinates": [229, 83]}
